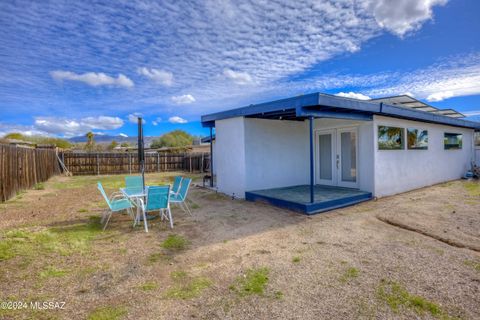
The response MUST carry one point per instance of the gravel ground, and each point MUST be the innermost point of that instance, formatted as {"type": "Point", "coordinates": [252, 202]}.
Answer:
{"type": "Point", "coordinates": [333, 265]}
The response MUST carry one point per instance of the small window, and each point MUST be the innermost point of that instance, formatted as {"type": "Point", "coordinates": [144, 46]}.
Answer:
{"type": "Point", "coordinates": [417, 139]}
{"type": "Point", "coordinates": [452, 141]}
{"type": "Point", "coordinates": [390, 138]}
{"type": "Point", "coordinates": [477, 140]}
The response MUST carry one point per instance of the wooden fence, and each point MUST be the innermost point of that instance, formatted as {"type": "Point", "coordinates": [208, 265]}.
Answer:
{"type": "Point", "coordinates": [21, 168]}
{"type": "Point", "coordinates": [122, 163]}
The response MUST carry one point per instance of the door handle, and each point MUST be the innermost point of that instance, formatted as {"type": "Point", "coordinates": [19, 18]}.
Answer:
{"type": "Point", "coordinates": [338, 160]}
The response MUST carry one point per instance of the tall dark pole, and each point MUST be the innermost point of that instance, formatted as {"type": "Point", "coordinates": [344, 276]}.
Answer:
{"type": "Point", "coordinates": [141, 151]}
{"type": "Point", "coordinates": [312, 196]}
{"type": "Point", "coordinates": [211, 157]}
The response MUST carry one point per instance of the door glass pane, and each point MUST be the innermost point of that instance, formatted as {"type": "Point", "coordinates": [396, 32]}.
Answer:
{"type": "Point", "coordinates": [325, 156]}
{"type": "Point", "coordinates": [349, 161]}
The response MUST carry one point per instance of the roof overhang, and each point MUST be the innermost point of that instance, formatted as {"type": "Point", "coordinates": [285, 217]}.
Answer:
{"type": "Point", "coordinates": [319, 105]}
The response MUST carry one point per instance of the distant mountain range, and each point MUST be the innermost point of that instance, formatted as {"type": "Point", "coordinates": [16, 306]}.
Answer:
{"type": "Point", "coordinates": [108, 138]}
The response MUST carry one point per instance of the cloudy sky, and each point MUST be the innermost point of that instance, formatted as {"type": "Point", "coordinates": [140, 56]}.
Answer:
{"type": "Point", "coordinates": [71, 67]}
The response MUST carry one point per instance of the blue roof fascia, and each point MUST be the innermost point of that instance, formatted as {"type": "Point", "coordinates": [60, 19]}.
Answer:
{"type": "Point", "coordinates": [304, 107]}
{"type": "Point", "coordinates": [400, 112]}
{"type": "Point", "coordinates": [336, 114]}
{"type": "Point", "coordinates": [347, 103]}
{"type": "Point", "coordinates": [290, 103]}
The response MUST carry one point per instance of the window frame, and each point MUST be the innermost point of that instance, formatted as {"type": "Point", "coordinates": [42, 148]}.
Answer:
{"type": "Point", "coordinates": [460, 147]}
{"type": "Point", "coordinates": [416, 148]}
{"type": "Point", "coordinates": [476, 140]}
{"type": "Point", "coordinates": [402, 137]}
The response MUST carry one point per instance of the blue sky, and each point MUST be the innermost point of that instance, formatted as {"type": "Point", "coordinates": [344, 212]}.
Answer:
{"type": "Point", "coordinates": [68, 68]}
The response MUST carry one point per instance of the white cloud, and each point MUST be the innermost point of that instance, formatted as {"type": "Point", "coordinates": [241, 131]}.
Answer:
{"type": "Point", "coordinates": [123, 135]}
{"type": "Point", "coordinates": [237, 77]}
{"type": "Point", "coordinates": [402, 16]}
{"type": "Point", "coordinates": [156, 121]}
{"type": "Point", "coordinates": [28, 130]}
{"type": "Point", "coordinates": [159, 76]}
{"type": "Point", "coordinates": [102, 122]}
{"type": "Point", "coordinates": [353, 95]}
{"type": "Point", "coordinates": [458, 76]}
{"type": "Point", "coordinates": [439, 96]}
{"type": "Point", "coordinates": [93, 79]}
{"type": "Point", "coordinates": [71, 127]}
{"type": "Point", "coordinates": [183, 99]}
{"type": "Point", "coordinates": [270, 43]}
{"type": "Point", "coordinates": [133, 117]}
{"type": "Point", "coordinates": [177, 119]}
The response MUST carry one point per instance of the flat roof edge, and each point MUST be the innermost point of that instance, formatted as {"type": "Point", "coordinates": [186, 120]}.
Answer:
{"type": "Point", "coordinates": [415, 115]}
{"type": "Point", "coordinates": [299, 103]}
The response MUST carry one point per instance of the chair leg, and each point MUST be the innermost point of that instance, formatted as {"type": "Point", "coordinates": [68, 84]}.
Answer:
{"type": "Point", "coordinates": [136, 218]}
{"type": "Point", "coordinates": [160, 214]}
{"type": "Point", "coordinates": [130, 212]}
{"type": "Point", "coordinates": [104, 215]}
{"type": "Point", "coordinates": [108, 219]}
{"type": "Point", "coordinates": [170, 217]}
{"type": "Point", "coordinates": [187, 207]}
{"type": "Point", "coordinates": [145, 221]}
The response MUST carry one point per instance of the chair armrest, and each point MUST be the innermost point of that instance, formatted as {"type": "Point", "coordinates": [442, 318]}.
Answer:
{"type": "Point", "coordinates": [116, 194]}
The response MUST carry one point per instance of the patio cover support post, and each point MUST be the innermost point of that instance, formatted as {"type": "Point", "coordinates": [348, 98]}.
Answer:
{"type": "Point", "coordinates": [312, 196]}
{"type": "Point", "coordinates": [211, 157]}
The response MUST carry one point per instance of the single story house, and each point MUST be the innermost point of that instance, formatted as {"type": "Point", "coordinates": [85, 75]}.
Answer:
{"type": "Point", "coordinates": [317, 152]}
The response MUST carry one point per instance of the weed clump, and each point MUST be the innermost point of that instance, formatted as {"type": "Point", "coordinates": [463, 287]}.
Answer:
{"type": "Point", "coordinates": [254, 281]}
{"type": "Point", "coordinates": [175, 242]}
{"type": "Point", "coordinates": [108, 313]}
{"type": "Point", "coordinates": [396, 297]}
{"type": "Point", "coordinates": [186, 286]}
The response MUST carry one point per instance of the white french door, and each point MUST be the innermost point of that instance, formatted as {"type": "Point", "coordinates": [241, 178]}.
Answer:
{"type": "Point", "coordinates": [337, 157]}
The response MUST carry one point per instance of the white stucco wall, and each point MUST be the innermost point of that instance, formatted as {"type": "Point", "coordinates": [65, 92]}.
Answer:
{"type": "Point", "coordinates": [276, 153]}
{"type": "Point", "coordinates": [229, 161]}
{"type": "Point", "coordinates": [253, 154]}
{"type": "Point", "coordinates": [365, 174]}
{"type": "Point", "coordinates": [402, 170]}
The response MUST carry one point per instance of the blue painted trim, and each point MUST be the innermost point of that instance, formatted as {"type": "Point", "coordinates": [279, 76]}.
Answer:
{"type": "Point", "coordinates": [335, 114]}
{"type": "Point", "coordinates": [277, 105]}
{"type": "Point", "coordinates": [309, 208]}
{"type": "Point", "coordinates": [312, 182]}
{"type": "Point", "coordinates": [211, 157]}
{"type": "Point", "coordinates": [310, 104]}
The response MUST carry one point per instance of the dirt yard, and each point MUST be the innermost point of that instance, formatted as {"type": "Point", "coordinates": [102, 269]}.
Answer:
{"type": "Point", "coordinates": [414, 255]}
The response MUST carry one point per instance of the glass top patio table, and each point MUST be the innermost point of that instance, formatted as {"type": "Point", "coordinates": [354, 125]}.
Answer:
{"type": "Point", "coordinates": [134, 195]}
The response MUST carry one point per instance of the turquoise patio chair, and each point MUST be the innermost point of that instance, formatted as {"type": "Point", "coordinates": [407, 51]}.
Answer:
{"type": "Point", "coordinates": [116, 203]}
{"type": "Point", "coordinates": [157, 200]}
{"type": "Point", "coordinates": [181, 197]}
{"type": "Point", "coordinates": [134, 184]}
{"type": "Point", "coordinates": [176, 185]}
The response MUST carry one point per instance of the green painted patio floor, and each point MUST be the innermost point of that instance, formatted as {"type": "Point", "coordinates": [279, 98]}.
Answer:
{"type": "Point", "coordinates": [301, 194]}
{"type": "Point", "coordinates": [297, 198]}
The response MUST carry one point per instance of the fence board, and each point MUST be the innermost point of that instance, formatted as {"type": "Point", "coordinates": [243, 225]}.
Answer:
{"type": "Point", "coordinates": [124, 163]}
{"type": "Point", "coordinates": [21, 168]}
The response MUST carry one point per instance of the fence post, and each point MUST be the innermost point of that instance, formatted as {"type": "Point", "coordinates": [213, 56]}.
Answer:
{"type": "Point", "coordinates": [130, 163]}
{"type": "Point", "coordinates": [158, 162]}
{"type": "Point", "coordinates": [201, 165]}
{"type": "Point", "coordinates": [165, 161]}
{"type": "Point", "coordinates": [190, 156]}
{"type": "Point", "coordinates": [98, 166]}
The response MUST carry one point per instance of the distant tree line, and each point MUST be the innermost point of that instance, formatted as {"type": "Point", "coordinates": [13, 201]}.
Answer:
{"type": "Point", "coordinates": [59, 142]}
{"type": "Point", "coordinates": [173, 139]}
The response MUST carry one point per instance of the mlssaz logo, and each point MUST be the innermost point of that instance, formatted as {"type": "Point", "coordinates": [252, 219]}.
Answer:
{"type": "Point", "coordinates": [47, 305]}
